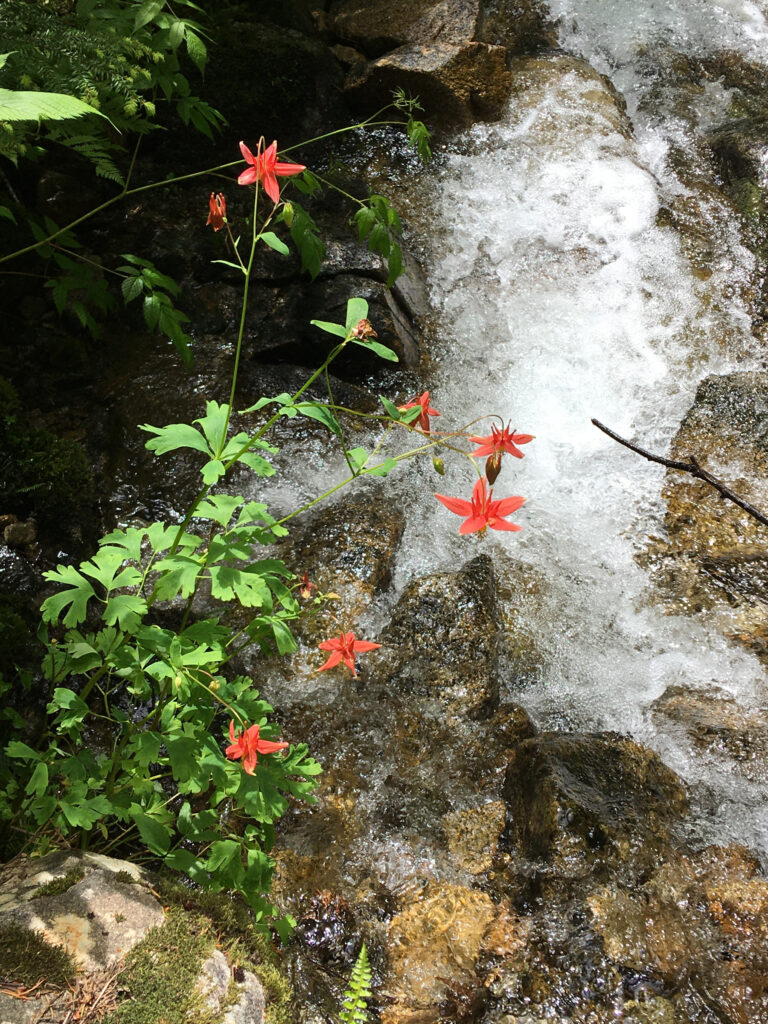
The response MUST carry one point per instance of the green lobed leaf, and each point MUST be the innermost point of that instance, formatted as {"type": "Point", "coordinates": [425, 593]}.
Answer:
{"type": "Point", "coordinates": [75, 598]}
{"type": "Point", "coordinates": [317, 411]}
{"type": "Point", "coordinates": [173, 437]}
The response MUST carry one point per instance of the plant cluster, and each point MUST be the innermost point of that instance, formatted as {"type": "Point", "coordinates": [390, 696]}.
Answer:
{"type": "Point", "coordinates": [118, 57]}
{"type": "Point", "coordinates": [154, 738]}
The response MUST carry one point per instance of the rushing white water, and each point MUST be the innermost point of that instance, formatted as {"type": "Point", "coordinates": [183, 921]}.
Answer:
{"type": "Point", "coordinates": [561, 299]}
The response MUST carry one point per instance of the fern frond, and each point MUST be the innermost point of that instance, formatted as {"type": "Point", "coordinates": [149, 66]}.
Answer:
{"type": "Point", "coordinates": [20, 105]}
{"type": "Point", "coordinates": [355, 1002]}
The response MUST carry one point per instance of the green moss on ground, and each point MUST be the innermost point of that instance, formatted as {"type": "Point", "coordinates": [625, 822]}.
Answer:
{"type": "Point", "coordinates": [161, 971]}
{"type": "Point", "coordinates": [244, 947]}
{"type": "Point", "coordinates": [25, 958]}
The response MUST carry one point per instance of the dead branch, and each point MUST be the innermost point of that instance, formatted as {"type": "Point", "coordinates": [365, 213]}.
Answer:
{"type": "Point", "coordinates": [692, 467]}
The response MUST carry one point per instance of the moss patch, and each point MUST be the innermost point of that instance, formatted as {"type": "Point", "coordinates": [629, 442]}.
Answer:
{"type": "Point", "coordinates": [161, 971]}
{"type": "Point", "coordinates": [232, 922]}
{"type": "Point", "coordinates": [25, 958]}
{"type": "Point", "coordinates": [58, 885]}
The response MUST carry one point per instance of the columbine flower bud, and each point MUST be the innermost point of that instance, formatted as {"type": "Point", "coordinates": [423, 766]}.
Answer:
{"type": "Point", "coordinates": [288, 214]}
{"type": "Point", "coordinates": [493, 467]}
{"type": "Point", "coordinates": [217, 211]}
{"type": "Point", "coordinates": [363, 330]}
{"type": "Point", "coordinates": [438, 464]}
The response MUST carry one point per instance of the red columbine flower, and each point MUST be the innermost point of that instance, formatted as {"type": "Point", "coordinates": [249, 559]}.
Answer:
{"type": "Point", "coordinates": [501, 441]}
{"type": "Point", "coordinates": [246, 744]}
{"type": "Point", "coordinates": [344, 648]}
{"type": "Point", "coordinates": [264, 167]}
{"type": "Point", "coordinates": [217, 206]}
{"type": "Point", "coordinates": [482, 511]}
{"type": "Point", "coordinates": [426, 411]}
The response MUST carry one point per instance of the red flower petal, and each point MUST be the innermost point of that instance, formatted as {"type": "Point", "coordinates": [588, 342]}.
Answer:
{"type": "Point", "coordinates": [506, 506]}
{"type": "Point", "coordinates": [458, 505]}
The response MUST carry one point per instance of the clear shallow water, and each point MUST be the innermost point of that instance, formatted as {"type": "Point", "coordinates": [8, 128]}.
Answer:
{"type": "Point", "coordinates": [560, 298]}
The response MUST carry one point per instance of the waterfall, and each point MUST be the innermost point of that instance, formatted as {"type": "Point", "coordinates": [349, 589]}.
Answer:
{"type": "Point", "coordinates": [561, 296]}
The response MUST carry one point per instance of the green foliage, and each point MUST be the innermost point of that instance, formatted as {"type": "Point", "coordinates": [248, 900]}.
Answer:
{"type": "Point", "coordinates": [358, 993]}
{"type": "Point", "coordinates": [41, 106]}
{"type": "Point", "coordinates": [416, 131]}
{"type": "Point", "coordinates": [142, 278]}
{"type": "Point", "coordinates": [379, 223]}
{"type": "Point", "coordinates": [113, 57]}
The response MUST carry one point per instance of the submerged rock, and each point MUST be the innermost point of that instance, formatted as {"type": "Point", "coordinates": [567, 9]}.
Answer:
{"type": "Point", "coordinates": [719, 726]}
{"type": "Point", "coordinates": [715, 558]}
{"type": "Point", "coordinates": [433, 944]}
{"type": "Point", "coordinates": [444, 639]}
{"type": "Point", "coordinates": [576, 801]}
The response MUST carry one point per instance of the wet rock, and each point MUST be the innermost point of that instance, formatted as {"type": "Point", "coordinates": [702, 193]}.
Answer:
{"type": "Point", "coordinates": [741, 148]}
{"type": "Point", "coordinates": [457, 83]}
{"type": "Point", "coordinates": [570, 83]}
{"type": "Point", "coordinates": [377, 26]}
{"type": "Point", "coordinates": [694, 923]}
{"type": "Point", "coordinates": [444, 638]}
{"type": "Point", "coordinates": [348, 548]}
{"type": "Point", "coordinates": [473, 835]}
{"type": "Point", "coordinates": [19, 535]}
{"type": "Point", "coordinates": [715, 557]}
{"type": "Point", "coordinates": [522, 26]}
{"type": "Point", "coordinates": [578, 800]}
{"type": "Point", "coordinates": [433, 944]}
{"type": "Point", "coordinates": [719, 726]}
{"type": "Point", "coordinates": [327, 929]}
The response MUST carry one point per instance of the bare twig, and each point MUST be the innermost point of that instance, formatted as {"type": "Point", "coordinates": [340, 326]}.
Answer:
{"type": "Point", "coordinates": [692, 467]}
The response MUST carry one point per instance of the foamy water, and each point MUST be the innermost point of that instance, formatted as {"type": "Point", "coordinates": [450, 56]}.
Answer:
{"type": "Point", "coordinates": [561, 299]}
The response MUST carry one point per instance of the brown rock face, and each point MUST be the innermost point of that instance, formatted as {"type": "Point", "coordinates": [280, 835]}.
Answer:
{"type": "Point", "coordinates": [716, 557]}
{"type": "Point", "coordinates": [578, 800]}
{"type": "Point", "coordinates": [457, 83]}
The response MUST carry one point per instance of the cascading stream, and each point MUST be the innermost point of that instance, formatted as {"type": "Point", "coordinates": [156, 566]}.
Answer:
{"type": "Point", "coordinates": [560, 298]}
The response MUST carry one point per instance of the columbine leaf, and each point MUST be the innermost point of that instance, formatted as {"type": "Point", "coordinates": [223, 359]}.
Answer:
{"type": "Point", "coordinates": [316, 411]}
{"type": "Point", "coordinates": [383, 468]}
{"type": "Point", "coordinates": [270, 238]}
{"type": "Point", "coordinates": [156, 835]}
{"type": "Point", "coordinates": [357, 310]}
{"type": "Point", "coordinates": [337, 329]}
{"type": "Point", "coordinates": [212, 471]}
{"type": "Point", "coordinates": [75, 598]}
{"type": "Point", "coordinates": [213, 423]}
{"type": "Point", "coordinates": [379, 349]}
{"type": "Point", "coordinates": [358, 457]}
{"type": "Point", "coordinates": [127, 610]}
{"type": "Point", "coordinates": [219, 507]}
{"type": "Point", "coordinates": [175, 436]}
{"type": "Point", "coordinates": [284, 399]}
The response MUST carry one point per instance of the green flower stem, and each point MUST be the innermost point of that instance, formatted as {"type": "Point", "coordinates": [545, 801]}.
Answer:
{"type": "Point", "coordinates": [256, 235]}
{"type": "Point", "coordinates": [110, 202]}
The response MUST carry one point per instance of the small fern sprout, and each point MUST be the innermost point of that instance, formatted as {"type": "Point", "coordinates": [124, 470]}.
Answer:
{"type": "Point", "coordinates": [354, 1007]}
